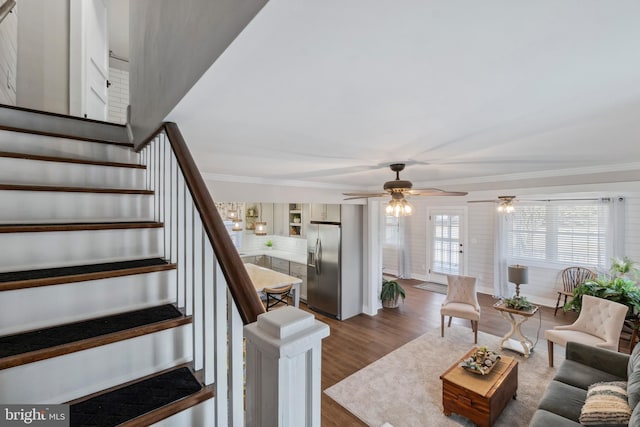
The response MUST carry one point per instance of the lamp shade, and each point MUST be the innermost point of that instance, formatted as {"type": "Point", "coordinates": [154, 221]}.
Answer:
{"type": "Point", "coordinates": [518, 274]}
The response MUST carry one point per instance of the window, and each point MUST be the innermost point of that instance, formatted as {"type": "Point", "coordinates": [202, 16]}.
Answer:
{"type": "Point", "coordinates": [568, 233]}
{"type": "Point", "coordinates": [391, 229]}
{"type": "Point", "coordinates": [446, 244]}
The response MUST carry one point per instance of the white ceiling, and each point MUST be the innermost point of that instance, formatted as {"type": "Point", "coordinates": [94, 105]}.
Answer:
{"type": "Point", "coordinates": [327, 93]}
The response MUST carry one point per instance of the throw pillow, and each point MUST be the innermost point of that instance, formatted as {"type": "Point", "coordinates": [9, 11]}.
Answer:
{"type": "Point", "coordinates": [606, 404]}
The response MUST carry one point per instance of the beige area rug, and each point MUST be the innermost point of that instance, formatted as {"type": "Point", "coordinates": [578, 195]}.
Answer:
{"type": "Point", "coordinates": [404, 388]}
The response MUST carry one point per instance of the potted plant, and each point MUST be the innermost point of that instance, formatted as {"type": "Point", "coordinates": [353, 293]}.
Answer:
{"type": "Point", "coordinates": [269, 244]}
{"type": "Point", "coordinates": [518, 303]}
{"type": "Point", "coordinates": [391, 293]}
{"type": "Point", "coordinates": [617, 286]}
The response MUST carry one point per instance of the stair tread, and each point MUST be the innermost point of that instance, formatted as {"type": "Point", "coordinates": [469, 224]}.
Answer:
{"type": "Point", "coordinates": [61, 159]}
{"type": "Point", "coordinates": [13, 276]}
{"type": "Point", "coordinates": [78, 226]}
{"type": "Point", "coordinates": [24, 187]}
{"type": "Point", "coordinates": [123, 404]}
{"type": "Point", "coordinates": [12, 345]}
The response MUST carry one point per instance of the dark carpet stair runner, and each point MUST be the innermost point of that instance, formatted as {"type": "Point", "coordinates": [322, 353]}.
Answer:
{"type": "Point", "coordinates": [12, 345]}
{"type": "Point", "coordinates": [132, 401]}
{"type": "Point", "coordinates": [46, 275]}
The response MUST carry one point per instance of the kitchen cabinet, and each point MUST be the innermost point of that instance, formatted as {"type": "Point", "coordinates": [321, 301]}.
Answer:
{"type": "Point", "coordinates": [280, 219]}
{"type": "Point", "coordinates": [280, 265]}
{"type": "Point", "coordinates": [325, 212]}
{"type": "Point", "coordinates": [261, 260]}
{"type": "Point", "coordinates": [295, 219]}
{"type": "Point", "coordinates": [299, 271]}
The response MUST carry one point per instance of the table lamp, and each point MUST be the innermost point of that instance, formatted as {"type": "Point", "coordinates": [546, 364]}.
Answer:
{"type": "Point", "coordinates": [519, 275]}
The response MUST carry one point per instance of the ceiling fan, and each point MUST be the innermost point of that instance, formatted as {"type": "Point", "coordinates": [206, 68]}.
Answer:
{"type": "Point", "coordinates": [505, 203]}
{"type": "Point", "coordinates": [398, 189]}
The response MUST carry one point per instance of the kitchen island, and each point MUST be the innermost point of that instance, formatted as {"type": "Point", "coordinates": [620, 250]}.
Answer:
{"type": "Point", "coordinates": [262, 277]}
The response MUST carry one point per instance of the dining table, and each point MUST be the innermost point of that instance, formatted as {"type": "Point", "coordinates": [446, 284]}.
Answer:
{"type": "Point", "coordinates": [263, 277]}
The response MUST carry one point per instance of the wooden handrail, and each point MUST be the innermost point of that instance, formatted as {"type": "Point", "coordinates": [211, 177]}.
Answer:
{"type": "Point", "coordinates": [6, 8]}
{"type": "Point", "coordinates": [240, 285]}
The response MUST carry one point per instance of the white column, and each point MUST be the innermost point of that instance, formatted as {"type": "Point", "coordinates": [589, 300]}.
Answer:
{"type": "Point", "coordinates": [284, 355]}
{"type": "Point", "coordinates": [373, 273]}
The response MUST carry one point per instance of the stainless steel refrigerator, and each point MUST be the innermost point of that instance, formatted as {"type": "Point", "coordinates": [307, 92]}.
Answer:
{"type": "Point", "coordinates": [323, 267]}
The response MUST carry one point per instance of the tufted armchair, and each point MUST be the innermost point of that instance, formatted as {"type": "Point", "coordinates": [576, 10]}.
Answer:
{"type": "Point", "coordinates": [461, 302]}
{"type": "Point", "coordinates": [599, 324]}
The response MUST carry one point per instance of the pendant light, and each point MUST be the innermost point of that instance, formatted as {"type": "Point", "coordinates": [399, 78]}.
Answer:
{"type": "Point", "coordinates": [261, 226]}
{"type": "Point", "coordinates": [233, 214]}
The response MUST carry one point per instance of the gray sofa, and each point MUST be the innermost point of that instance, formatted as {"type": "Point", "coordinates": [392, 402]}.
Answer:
{"type": "Point", "coordinates": [585, 365]}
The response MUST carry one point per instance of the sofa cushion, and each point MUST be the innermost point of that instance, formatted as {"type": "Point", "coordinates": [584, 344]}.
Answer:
{"type": "Point", "coordinates": [582, 376]}
{"type": "Point", "coordinates": [564, 400]}
{"type": "Point", "coordinates": [634, 361]}
{"type": "Point", "coordinates": [635, 417]}
{"type": "Point", "coordinates": [542, 418]}
{"type": "Point", "coordinates": [606, 404]}
{"type": "Point", "coordinates": [633, 372]}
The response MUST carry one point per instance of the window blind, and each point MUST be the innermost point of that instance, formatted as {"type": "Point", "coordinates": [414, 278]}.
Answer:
{"type": "Point", "coordinates": [566, 232]}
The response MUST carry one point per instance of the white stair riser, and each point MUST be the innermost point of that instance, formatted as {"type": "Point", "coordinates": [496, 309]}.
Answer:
{"type": "Point", "coordinates": [36, 207]}
{"type": "Point", "coordinates": [28, 309]}
{"type": "Point", "coordinates": [26, 251]}
{"type": "Point", "coordinates": [203, 414]}
{"type": "Point", "coordinates": [26, 143]}
{"type": "Point", "coordinates": [33, 172]}
{"type": "Point", "coordinates": [74, 375]}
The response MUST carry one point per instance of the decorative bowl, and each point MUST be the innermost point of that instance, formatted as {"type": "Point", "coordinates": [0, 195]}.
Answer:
{"type": "Point", "coordinates": [481, 362]}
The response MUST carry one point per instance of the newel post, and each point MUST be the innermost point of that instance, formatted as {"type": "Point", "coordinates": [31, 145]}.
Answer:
{"type": "Point", "coordinates": [284, 357]}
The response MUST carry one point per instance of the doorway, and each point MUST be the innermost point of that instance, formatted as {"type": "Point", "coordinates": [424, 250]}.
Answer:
{"type": "Point", "coordinates": [446, 237]}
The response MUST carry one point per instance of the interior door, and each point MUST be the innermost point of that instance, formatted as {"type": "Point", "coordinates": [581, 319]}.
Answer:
{"type": "Point", "coordinates": [89, 59]}
{"type": "Point", "coordinates": [446, 243]}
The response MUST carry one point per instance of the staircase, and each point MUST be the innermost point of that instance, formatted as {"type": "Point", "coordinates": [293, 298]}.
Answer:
{"type": "Point", "coordinates": [105, 302]}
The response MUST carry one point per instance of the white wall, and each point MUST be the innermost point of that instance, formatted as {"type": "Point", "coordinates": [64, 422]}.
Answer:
{"type": "Point", "coordinates": [481, 218]}
{"type": "Point", "coordinates": [118, 95]}
{"type": "Point", "coordinates": [9, 57]}
{"type": "Point", "coordinates": [43, 55]}
{"type": "Point", "coordinates": [164, 35]}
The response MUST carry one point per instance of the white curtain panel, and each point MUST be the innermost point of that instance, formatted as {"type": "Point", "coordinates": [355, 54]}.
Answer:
{"type": "Point", "coordinates": [501, 257]}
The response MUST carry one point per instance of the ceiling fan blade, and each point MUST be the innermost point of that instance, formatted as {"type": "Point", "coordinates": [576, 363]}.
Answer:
{"type": "Point", "coordinates": [352, 196]}
{"type": "Point", "coordinates": [435, 192]}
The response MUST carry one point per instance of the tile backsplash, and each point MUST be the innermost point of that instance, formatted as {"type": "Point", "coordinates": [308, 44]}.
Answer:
{"type": "Point", "coordinates": [251, 242]}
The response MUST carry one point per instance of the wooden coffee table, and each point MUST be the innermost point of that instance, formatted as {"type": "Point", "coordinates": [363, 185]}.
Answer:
{"type": "Point", "coordinates": [480, 398]}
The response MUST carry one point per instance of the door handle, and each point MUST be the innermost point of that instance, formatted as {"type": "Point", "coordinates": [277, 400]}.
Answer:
{"type": "Point", "coordinates": [318, 257]}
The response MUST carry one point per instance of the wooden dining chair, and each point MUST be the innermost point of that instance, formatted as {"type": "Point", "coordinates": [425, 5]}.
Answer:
{"type": "Point", "coordinates": [572, 277]}
{"type": "Point", "coordinates": [277, 296]}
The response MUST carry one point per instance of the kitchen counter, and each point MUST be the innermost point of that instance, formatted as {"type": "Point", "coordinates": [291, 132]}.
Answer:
{"type": "Point", "coordinates": [275, 253]}
{"type": "Point", "coordinates": [265, 278]}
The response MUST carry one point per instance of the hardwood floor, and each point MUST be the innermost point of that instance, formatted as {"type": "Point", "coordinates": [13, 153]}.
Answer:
{"type": "Point", "coordinates": [359, 341]}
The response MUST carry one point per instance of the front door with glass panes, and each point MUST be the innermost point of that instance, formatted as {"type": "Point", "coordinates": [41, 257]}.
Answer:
{"type": "Point", "coordinates": [446, 243]}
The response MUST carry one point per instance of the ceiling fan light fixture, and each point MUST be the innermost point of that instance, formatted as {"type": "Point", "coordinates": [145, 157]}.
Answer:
{"type": "Point", "coordinates": [398, 206]}
{"type": "Point", "coordinates": [506, 204]}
